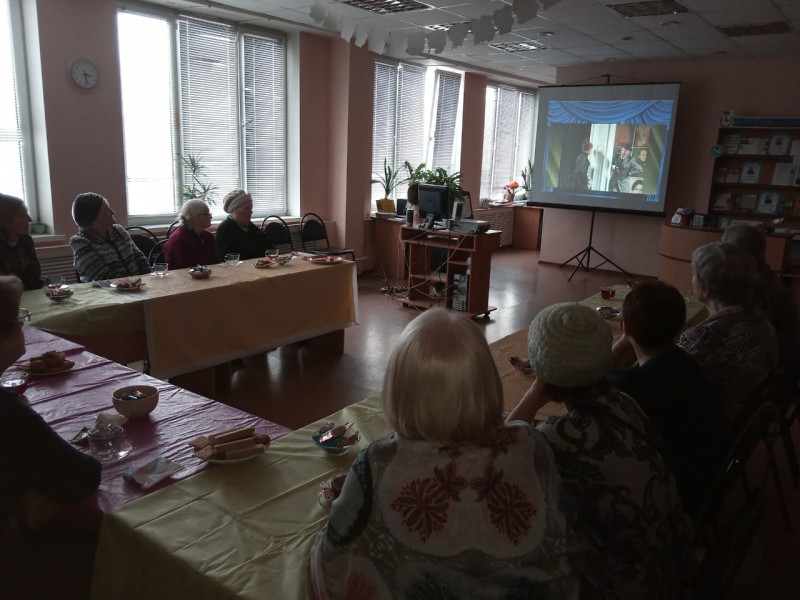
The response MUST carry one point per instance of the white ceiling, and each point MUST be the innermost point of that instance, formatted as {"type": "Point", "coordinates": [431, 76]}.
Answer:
{"type": "Point", "coordinates": [576, 32]}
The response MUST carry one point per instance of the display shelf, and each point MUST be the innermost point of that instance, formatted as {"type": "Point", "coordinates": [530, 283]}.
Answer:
{"type": "Point", "coordinates": [449, 269]}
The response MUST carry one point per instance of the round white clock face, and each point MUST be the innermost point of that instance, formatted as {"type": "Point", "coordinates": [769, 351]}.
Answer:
{"type": "Point", "coordinates": [84, 73]}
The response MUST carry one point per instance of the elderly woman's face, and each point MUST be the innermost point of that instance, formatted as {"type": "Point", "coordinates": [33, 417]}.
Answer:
{"type": "Point", "coordinates": [243, 212]}
{"type": "Point", "coordinates": [201, 219]}
{"type": "Point", "coordinates": [105, 217]}
{"type": "Point", "coordinates": [18, 225]}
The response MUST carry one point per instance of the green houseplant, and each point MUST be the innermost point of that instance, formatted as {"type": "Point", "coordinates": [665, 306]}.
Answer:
{"type": "Point", "coordinates": [437, 176]}
{"type": "Point", "coordinates": [197, 188]}
{"type": "Point", "coordinates": [389, 179]}
{"type": "Point", "coordinates": [527, 179]}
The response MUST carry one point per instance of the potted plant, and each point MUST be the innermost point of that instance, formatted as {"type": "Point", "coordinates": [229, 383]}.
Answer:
{"type": "Point", "coordinates": [196, 189]}
{"type": "Point", "coordinates": [509, 190]}
{"type": "Point", "coordinates": [437, 176]}
{"type": "Point", "coordinates": [527, 180]}
{"type": "Point", "coordinates": [389, 179]}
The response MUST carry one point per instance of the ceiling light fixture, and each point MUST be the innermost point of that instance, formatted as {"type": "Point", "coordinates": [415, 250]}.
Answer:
{"type": "Point", "coordinates": [650, 8]}
{"type": "Point", "coordinates": [384, 7]}
{"type": "Point", "coordinates": [519, 46]}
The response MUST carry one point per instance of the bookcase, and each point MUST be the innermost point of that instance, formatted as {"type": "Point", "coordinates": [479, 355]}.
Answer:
{"type": "Point", "coordinates": [757, 171]}
{"type": "Point", "coordinates": [449, 269]}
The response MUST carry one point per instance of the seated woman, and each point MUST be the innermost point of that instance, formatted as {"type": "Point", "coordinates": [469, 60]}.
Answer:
{"type": "Point", "coordinates": [190, 244]}
{"type": "Point", "coordinates": [237, 234]}
{"type": "Point", "coordinates": [635, 535]}
{"type": "Point", "coordinates": [453, 501]}
{"type": "Point", "coordinates": [102, 248]}
{"type": "Point", "coordinates": [39, 470]}
{"type": "Point", "coordinates": [671, 388]}
{"type": "Point", "coordinates": [736, 346]}
{"type": "Point", "coordinates": [17, 254]}
{"type": "Point", "coordinates": [775, 300]}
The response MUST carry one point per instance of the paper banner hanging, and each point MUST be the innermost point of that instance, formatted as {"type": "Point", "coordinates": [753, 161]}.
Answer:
{"type": "Point", "coordinates": [482, 29]}
{"type": "Point", "coordinates": [416, 43]}
{"type": "Point", "coordinates": [397, 43]}
{"type": "Point", "coordinates": [525, 10]}
{"type": "Point", "coordinates": [377, 41]}
{"type": "Point", "coordinates": [457, 33]}
{"type": "Point", "coordinates": [437, 41]}
{"type": "Point", "coordinates": [348, 29]}
{"type": "Point", "coordinates": [362, 33]}
{"type": "Point", "coordinates": [504, 20]}
{"type": "Point", "coordinates": [333, 20]}
{"type": "Point", "coordinates": [319, 11]}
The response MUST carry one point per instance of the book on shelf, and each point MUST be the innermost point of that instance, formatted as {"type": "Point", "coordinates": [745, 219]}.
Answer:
{"type": "Point", "coordinates": [753, 145]}
{"type": "Point", "coordinates": [767, 203]}
{"type": "Point", "coordinates": [730, 142]}
{"type": "Point", "coordinates": [784, 174]}
{"type": "Point", "coordinates": [721, 175]}
{"type": "Point", "coordinates": [795, 149]}
{"type": "Point", "coordinates": [751, 172]}
{"type": "Point", "coordinates": [732, 176]}
{"type": "Point", "coordinates": [786, 206]}
{"type": "Point", "coordinates": [723, 201]}
{"type": "Point", "coordinates": [724, 221]}
{"type": "Point", "coordinates": [745, 202]}
{"type": "Point", "coordinates": [780, 144]}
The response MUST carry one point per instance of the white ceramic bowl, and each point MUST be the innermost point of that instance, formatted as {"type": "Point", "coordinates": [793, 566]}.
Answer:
{"type": "Point", "coordinates": [139, 407]}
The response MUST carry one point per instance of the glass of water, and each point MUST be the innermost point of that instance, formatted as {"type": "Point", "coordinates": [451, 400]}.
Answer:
{"type": "Point", "coordinates": [160, 269]}
{"type": "Point", "coordinates": [231, 259]}
{"type": "Point", "coordinates": [272, 254]}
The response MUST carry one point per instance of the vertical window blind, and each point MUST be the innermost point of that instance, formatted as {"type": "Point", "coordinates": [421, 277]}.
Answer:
{"type": "Point", "coordinates": [13, 148]}
{"type": "Point", "coordinates": [448, 88]}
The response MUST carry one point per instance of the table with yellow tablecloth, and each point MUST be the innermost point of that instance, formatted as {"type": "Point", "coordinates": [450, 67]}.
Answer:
{"type": "Point", "coordinates": [515, 382]}
{"type": "Point", "coordinates": [239, 531]}
{"type": "Point", "coordinates": [181, 324]}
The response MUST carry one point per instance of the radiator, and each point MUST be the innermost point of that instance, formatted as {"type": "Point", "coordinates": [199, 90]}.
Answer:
{"type": "Point", "coordinates": [54, 266]}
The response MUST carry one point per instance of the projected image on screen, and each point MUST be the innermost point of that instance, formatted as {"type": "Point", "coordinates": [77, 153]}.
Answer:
{"type": "Point", "coordinates": [605, 147]}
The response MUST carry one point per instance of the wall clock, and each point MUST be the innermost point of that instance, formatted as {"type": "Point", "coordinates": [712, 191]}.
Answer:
{"type": "Point", "coordinates": [84, 73]}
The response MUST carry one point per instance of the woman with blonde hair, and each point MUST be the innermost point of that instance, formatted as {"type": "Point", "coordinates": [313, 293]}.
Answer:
{"type": "Point", "coordinates": [17, 253]}
{"type": "Point", "coordinates": [454, 502]}
{"type": "Point", "coordinates": [191, 244]}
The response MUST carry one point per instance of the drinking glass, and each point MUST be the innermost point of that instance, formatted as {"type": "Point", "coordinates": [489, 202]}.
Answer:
{"type": "Point", "coordinates": [608, 293]}
{"type": "Point", "coordinates": [231, 260]}
{"type": "Point", "coordinates": [14, 381]}
{"type": "Point", "coordinates": [160, 269]}
{"type": "Point", "coordinates": [272, 254]}
{"type": "Point", "coordinates": [108, 443]}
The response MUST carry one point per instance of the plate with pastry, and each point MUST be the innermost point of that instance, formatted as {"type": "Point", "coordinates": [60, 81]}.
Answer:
{"type": "Point", "coordinates": [230, 447]}
{"type": "Point", "coordinates": [264, 263]}
{"type": "Point", "coordinates": [129, 285]}
{"type": "Point", "coordinates": [324, 259]}
{"type": "Point", "coordinates": [49, 363]}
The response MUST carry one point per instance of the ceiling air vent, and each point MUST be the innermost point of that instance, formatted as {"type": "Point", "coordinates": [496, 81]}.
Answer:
{"type": "Point", "coordinates": [755, 29]}
{"type": "Point", "coordinates": [648, 9]}
{"type": "Point", "coordinates": [519, 46]}
{"type": "Point", "coordinates": [385, 7]}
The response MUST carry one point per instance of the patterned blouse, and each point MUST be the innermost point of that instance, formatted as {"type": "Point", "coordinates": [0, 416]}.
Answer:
{"type": "Point", "coordinates": [419, 521]}
{"type": "Point", "coordinates": [634, 532]}
{"type": "Point", "coordinates": [737, 349]}
{"type": "Point", "coordinates": [98, 258]}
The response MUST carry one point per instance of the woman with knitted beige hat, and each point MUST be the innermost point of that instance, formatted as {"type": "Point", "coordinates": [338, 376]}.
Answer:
{"type": "Point", "coordinates": [237, 234]}
{"type": "Point", "coordinates": [635, 533]}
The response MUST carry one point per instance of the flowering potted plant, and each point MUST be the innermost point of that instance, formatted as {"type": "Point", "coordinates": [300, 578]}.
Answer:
{"type": "Point", "coordinates": [509, 190]}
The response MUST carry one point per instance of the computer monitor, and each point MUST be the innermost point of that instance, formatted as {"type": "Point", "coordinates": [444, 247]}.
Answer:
{"type": "Point", "coordinates": [433, 200]}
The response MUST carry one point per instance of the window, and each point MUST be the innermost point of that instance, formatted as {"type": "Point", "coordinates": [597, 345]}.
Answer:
{"type": "Point", "coordinates": [507, 138]}
{"type": "Point", "coordinates": [227, 84]}
{"type": "Point", "coordinates": [16, 158]}
{"type": "Point", "coordinates": [416, 119]}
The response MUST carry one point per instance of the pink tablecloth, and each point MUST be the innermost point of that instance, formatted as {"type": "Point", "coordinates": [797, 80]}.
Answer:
{"type": "Point", "coordinates": [71, 400]}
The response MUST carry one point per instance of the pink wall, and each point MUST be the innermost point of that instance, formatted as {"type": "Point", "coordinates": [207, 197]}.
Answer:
{"type": "Point", "coordinates": [749, 87]}
{"type": "Point", "coordinates": [84, 127]}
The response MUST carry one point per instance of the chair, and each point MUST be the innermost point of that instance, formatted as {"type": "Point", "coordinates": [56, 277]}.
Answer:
{"type": "Point", "coordinates": [144, 239]}
{"type": "Point", "coordinates": [312, 229]}
{"type": "Point", "coordinates": [157, 253]}
{"type": "Point", "coordinates": [277, 231]}
{"type": "Point", "coordinates": [732, 514]}
{"type": "Point", "coordinates": [173, 227]}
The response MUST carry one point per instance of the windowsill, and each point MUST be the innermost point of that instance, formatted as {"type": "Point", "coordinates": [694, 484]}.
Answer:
{"type": "Point", "coordinates": [47, 238]}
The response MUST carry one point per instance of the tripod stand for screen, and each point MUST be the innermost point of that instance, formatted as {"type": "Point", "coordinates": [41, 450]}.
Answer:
{"type": "Point", "coordinates": [584, 256]}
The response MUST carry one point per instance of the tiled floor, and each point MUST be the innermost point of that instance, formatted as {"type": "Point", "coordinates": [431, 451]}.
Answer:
{"type": "Point", "coordinates": [296, 385]}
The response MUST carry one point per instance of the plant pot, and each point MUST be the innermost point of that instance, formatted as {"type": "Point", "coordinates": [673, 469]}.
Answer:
{"type": "Point", "coordinates": [508, 196]}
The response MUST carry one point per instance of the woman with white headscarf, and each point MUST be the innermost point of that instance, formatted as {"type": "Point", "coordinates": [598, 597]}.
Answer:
{"type": "Point", "coordinates": [237, 234]}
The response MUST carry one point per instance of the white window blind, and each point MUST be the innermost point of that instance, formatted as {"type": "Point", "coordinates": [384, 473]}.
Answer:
{"type": "Point", "coordinates": [398, 120]}
{"type": "Point", "coordinates": [14, 152]}
{"type": "Point", "coordinates": [508, 138]}
{"type": "Point", "coordinates": [229, 111]}
{"type": "Point", "coordinates": [265, 122]}
{"type": "Point", "coordinates": [448, 92]}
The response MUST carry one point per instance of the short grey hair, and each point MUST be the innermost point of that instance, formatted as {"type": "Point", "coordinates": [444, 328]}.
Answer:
{"type": "Point", "coordinates": [752, 239]}
{"type": "Point", "coordinates": [725, 272]}
{"type": "Point", "coordinates": [190, 209]}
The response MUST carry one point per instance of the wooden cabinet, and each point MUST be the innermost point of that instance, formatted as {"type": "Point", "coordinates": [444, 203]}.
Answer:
{"type": "Point", "coordinates": [527, 227]}
{"type": "Point", "coordinates": [390, 260]}
{"type": "Point", "coordinates": [449, 269]}
{"type": "Point", "coordinates": [754, 177]}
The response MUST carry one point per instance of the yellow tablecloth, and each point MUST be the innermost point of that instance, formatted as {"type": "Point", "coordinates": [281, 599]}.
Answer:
{"type": "Point", "coordinates": [183, 325]}
{"type": "Point", "coordinates": [515, 382]}
{"type": "Point", "coordinates": [241, 531]}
